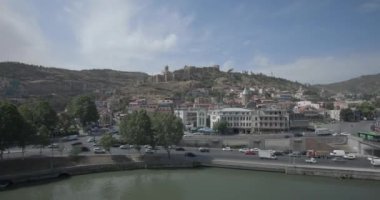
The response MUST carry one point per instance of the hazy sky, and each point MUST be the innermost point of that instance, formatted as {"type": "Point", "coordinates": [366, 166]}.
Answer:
{"type": "Point", "coordinates": [311, 41]}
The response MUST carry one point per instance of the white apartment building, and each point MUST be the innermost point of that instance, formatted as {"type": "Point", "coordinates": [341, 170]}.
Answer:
{"type": "Point", "coordinates": [240, 120]}
{"type": "Point", "coordinates": [192, 118]}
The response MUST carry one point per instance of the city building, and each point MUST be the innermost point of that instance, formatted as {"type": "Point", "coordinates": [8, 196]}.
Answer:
{"type": "Point", "coordinates": [270, 119]}
{"type": "Point", "coordinates": [192, 117]}
{"type": "Point", "coordinates": [239, 120]}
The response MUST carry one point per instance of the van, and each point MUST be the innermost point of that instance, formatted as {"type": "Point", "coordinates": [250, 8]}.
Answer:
{"type": "Point", "coordinates": [339, 153]}
{"type": "Point", "coordinates": [375, 162]}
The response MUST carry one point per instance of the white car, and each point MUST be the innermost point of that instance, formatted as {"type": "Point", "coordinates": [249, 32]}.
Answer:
{"type": "Point", "coordinates": [255, 149]}
{"type": "Point", "coordinates": [243, 150]}
{"type": "Point", "coordinates": [149, 151]}
{"type": "Point", "coordinates": [124, 146]}
{"type": "Point", "coordinates": [311, 160]}
{"type": "Point", "coordinates": [349, 156]}
{"type": "Point", "coordinates": [99, 150]}
{"type": "Point", "coordinates": [227, 149]}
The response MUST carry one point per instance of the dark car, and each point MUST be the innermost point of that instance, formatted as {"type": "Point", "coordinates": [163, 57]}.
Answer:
{"type": "Point", "coordinates": [76, 143]}
{"type": "Point", "coordinates": [84, 149]}
{"type": "Point", "coordinates": [179, 149]}
{"type": "Point", "coordinates": [203, 149]}
{"type": "Point", "coordinates": [298, 134]}
{"type": "Point", "coordinates": [189, 154]}
{"type": "Point", "coordinates": [250, 153]}
{"type": "Point", "coordinates": [278, 153]}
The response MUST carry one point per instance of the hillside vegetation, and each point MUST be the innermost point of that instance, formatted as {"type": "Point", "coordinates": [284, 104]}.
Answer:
{"type": "Point", "coordinates": [369, 84]}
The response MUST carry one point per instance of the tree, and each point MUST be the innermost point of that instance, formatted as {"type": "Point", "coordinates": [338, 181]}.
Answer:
{"type": "Point", "coordinates": [39, 114]}
{"type": "Point", "coordinates": [83, 108]}
{"type": "Point", "coordinates": [367, 110]}
{"type": "Point", "coordinates": [168, 130]}
{"type": "Point", "coordinates": [347, 115]}
{"type": "Point", "coordinates": [65, 123]}
{"type": "Point", "coordinates": [136, 129]}
{"type": "Point", "coordinates": [106, 141]}
{"type": "Point", "coordinates": [221, 127]}
{"type": "Point", "coordinates": [13, 127]}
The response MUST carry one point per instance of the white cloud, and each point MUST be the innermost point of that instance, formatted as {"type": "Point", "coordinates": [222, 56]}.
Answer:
{"type": "Point", "coordinates": [121, 33]}
{"type": "Point", "coordinates": [21, 37]}
{"type": "Point", "coordinates": [321, 69]}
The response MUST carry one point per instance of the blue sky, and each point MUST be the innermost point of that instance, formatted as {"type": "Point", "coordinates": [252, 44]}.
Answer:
{"type": "Point", "coordinates": [319, 41]}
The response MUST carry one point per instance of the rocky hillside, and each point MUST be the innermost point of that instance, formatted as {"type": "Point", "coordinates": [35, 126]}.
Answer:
{"type": "Point", "coordinates": [18, 80]}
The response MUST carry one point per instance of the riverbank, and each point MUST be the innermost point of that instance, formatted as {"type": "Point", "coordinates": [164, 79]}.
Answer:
{"type": "Point", "coordinates": [19, 171]}
{"type": "Point", "coordinates": [29, 170]}
{"type": "Point", "coordinates": [310, 170]}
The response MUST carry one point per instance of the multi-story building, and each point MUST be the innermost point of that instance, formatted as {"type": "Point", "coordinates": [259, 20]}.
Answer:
{"type": "Point", "coordinates": [239, 120]}
{"type": "Point", "coordinates": [192, 117]}
{"type": "Point", "coordinates": [247, 121]}
{"type": "Point", "coordinates": [270, 119]}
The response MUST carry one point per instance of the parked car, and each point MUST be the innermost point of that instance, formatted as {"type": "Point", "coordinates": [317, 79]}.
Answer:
{"type": "Point", "coordinates": [311, 160]}
{"type": "Point", "coordinates": [179, 149]}
{"type": "Point", "coordinates": [250, 153]}
{"type": "Point", "coordinates": [76, 143]}
{"type": "Point", "coordinates": [190, 154]}
{"type": "Point", "coordinates": [91, 139]}
{"type": "Point", "coordinates": [226, 149]}
{"type": "Point", "coordinates": [149, 151]}
{"type": "Point", "coordinates": [204, 149]}
{"type": "Point", "coordinates": [85, 149]}
{"type": "Point", "coordinates": [53, 146]}
{"type": "Point", "coordinates": [99, 150]}
{"type": "Point", "coordinates": [125, 146]}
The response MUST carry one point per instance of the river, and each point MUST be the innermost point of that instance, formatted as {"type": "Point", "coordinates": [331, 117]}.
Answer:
{"type": "Point", "coordinates": [207, 184]}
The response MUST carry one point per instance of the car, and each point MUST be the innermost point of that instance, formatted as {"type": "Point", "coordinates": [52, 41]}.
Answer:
{"type": "Point", "coordinates": [243, 150]}
{"type": "Point", "coordinates": [349, 156]}
{"type": "Point", "coordinates": [125, 146]}
{"type": "Point", "coordinates": [179, 149]}
{"type": "Point", "coordinates": [84, 149]}
{"type": "Point", "coordinates": [338, 159]}
{"type": "Point", "coordinates": [96, 145]}
{"type": "Point", "coordinates": [204, 149]}
{"type": "Point", "coordinates": [278, 153]}
{"type": "Point", "coordinates": [149, 151]}
{"type": "Point", "coordinates": [250, 153]}
{"type": "Point", "coordinates": [91, 139]}
{"type": "Point", "coordinates": [295, 154]}
{"type": "Point", "coordinates": [189, 154]}
{"type": "Point", "coordinates": [370, 158]}
{"type": "Point", "coordinates": [311, 160]}
{"type": "Point", "coordinates": [99, 150]}
{"type": "Point", "coordinates": [226, 149]}
{"type": "Point", "coordinates": [255, 149]}
{"type": "Point", "coordinates": [345, 133]}
{"type": "Point", "coordinates": [53, 146]}
{"type": "Point", "coordinates": [76, 143]}
{"type": "Point", "coordinates": [298, 134]}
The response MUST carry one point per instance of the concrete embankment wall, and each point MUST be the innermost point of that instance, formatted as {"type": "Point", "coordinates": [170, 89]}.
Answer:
{"type": "Point", "coordinates": [327, 171]}
{"type": "Point", "coordinates": [87, 169]}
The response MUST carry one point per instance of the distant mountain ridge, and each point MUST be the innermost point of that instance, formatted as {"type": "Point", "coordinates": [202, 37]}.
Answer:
{"type": "Point", "coordinates": [368, 84]}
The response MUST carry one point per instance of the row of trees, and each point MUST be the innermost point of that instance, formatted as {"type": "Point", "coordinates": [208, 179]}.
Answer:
{"type": "Point", "coordinates": [37, 122]}
{"type": "Point", "coordinates": [157, 129]}
{"type": "Point", "coordinates": [365, 110]}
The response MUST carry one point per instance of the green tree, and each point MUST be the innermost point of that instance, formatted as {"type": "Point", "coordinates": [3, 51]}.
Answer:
{"type": "Point", "coordinates": [39, 114]}
{"type": "Point", "coordinates": [136, 129]}
{"type": "Point", "coordinates": [106, 141]}
{"type": "Point", "coordinates": [221, 127]}
{"type": "Point", "coordinates": [84, 109]}
{"type": "Point", "coordinates": [13, 127]}
{"type": "Point", "coordinates": [168, 130]}
{"type": "Point", "coordinates": [367, 110]}
{"type": "Point", "coordinates": [65, 123]}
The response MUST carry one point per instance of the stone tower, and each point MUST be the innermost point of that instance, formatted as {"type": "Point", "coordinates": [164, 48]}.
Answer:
{"type": "Point", "coordinates": [245, 97]}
